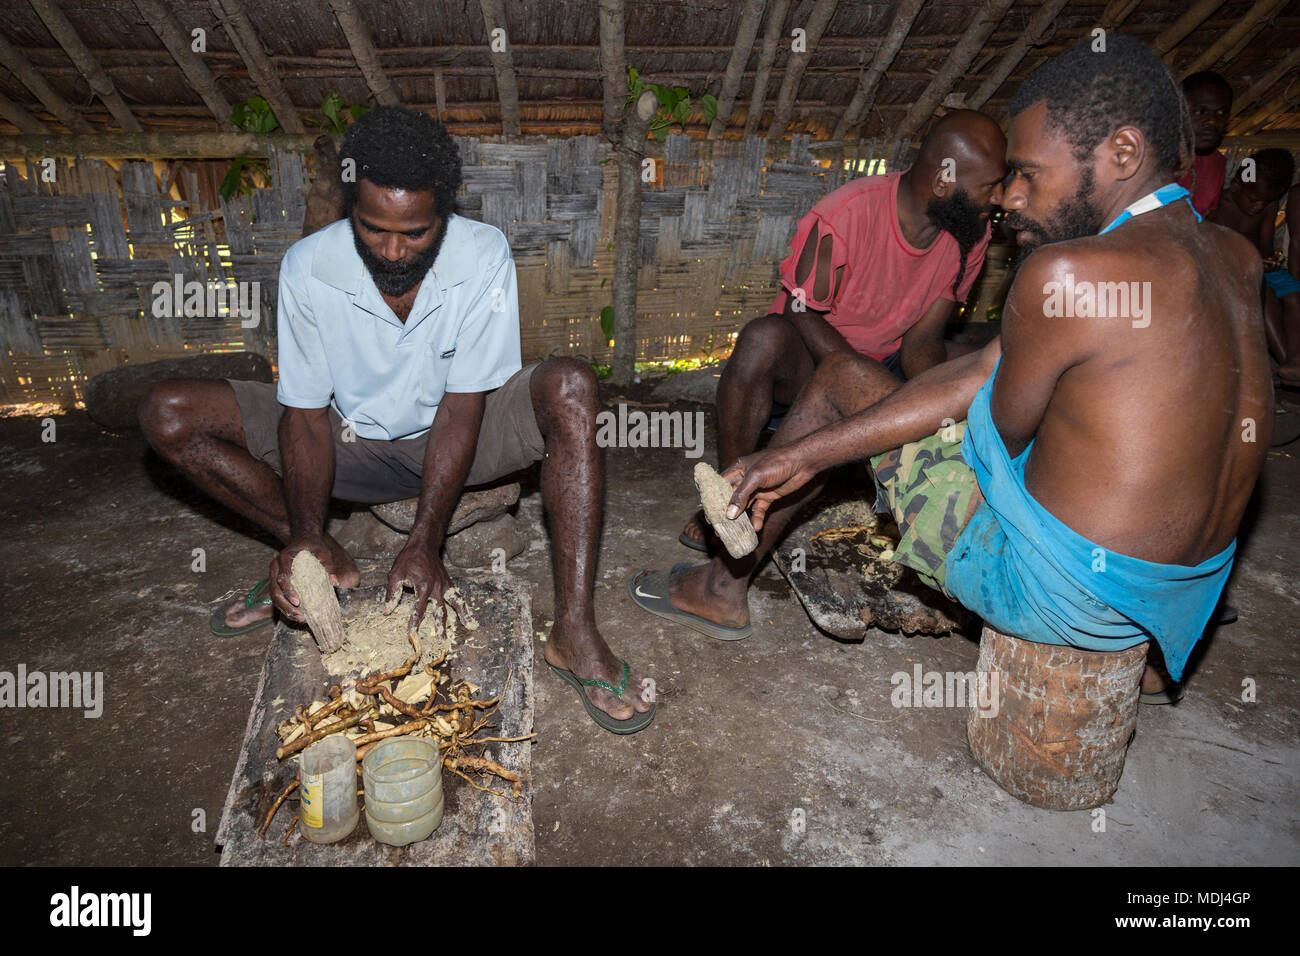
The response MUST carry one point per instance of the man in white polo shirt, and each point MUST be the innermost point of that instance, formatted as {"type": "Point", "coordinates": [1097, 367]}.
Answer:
{"type": "Point", "coordinates": [399, 363]}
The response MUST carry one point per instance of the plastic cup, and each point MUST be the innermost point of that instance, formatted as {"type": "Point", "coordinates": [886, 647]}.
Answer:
{"type": "Point", "coordinates": [403, 784]}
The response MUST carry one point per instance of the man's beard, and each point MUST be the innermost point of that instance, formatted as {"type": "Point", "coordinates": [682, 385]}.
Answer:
{"type": "Point", "coordinates": [960, 218]}
{"type": "Point", "coordinates": [1075, 217]}
{"type": "Point", "coordinates": [398, 278]}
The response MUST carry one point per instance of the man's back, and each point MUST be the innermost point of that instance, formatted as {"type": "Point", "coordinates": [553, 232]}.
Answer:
{"type": "Point", "coordinates": [1150, 445]}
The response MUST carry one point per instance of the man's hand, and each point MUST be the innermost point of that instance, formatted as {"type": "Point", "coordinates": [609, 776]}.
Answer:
{"type": "Point", "coordinates": [766, 477]}
{"type": "Point", "coordinates": [337, 565]}
{"type": "Point", "coordinates": [421, 570]}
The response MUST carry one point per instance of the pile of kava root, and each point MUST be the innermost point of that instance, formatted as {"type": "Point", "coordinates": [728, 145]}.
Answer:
{"type": "Point", "coordinates": [396, 703]}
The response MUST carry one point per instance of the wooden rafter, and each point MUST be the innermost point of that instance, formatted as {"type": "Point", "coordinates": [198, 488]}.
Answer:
{"type": "Point", "coordinates": [1034, 32]}
{"type": "Point", "coordinates": [200, 78]}
{"type": "Point", "coordinates": [613, 63]}
{"type": "Point", "coordinates": [11, 59]}
{"type": "Point", "coordinates": [1253, 21]}
{"type": "Point", "coordinates": [1169, 38]}
{"type": "Point", "coordinates": [244, 38]}
{"type": "Point", "coordinates": [750, 18]}
{"type": "Point", "coordinates": [494, 17]}
{"type": "Point", "coordinates": [864, 97]}
{"type": "Point", "coordinates": [963, 54]}
{"type": "Point", "coordinates": [87, 64]}
{"type": "Point", "coordinates": [766, 57]}
{"type": "Point", "coordinates": [154, 145]}
{"type": "Point", "coordinates": [11, 112]}
{"type": "Point", "coordinates": [821, 15]}
{"type": "Point", "coordinates": [363, 51]}
{"type": "Point", "coordinates": [1261, 86]}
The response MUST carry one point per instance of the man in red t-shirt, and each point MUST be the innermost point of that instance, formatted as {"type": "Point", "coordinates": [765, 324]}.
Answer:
{"type": "Point", "coordinates": [876, 268]}
{"type": "Point", "coordinates": [1209, 97]}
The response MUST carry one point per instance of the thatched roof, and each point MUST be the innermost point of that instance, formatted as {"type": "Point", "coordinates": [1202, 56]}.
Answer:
{"type": "Point", "coordinates": [431, 51]}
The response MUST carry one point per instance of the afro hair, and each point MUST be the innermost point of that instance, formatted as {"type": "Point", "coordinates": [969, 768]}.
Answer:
{"type": "Point", "coordinates": [401, 149]}
{"type": "Point", "coordinates": [1091, 94]}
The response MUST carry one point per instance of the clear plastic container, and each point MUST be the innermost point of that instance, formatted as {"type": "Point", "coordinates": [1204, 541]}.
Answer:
{"type": "Point", "coordinates": [403, 784]}
{"type": "Point", "coordinates": [328, 773]}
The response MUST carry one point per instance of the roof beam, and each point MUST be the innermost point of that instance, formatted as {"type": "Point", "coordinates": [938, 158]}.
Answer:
{"type": "Point", "coordinates": [11, 112]}
{"type": "Point", "coordinates": [864, 97]}
{"type": "Point", "coordinates": [963, 54]}
{"type": "Point", "coordinates": [240, 29]}
{"type": "Point", "coordinates": [750, 18]}
{"type": "Point", "coordinates": [61, 29]}
{"type": "Point", "coordinates": [494, 18]}
{"type": "Point", "coordinates": [363, 51]}
{"type": "Point", "coordinates": [1169, 38]}
{"type": "Point", "coordinates": [59, 108]}
{"type": "Point", "coordinates": [766, 57]}
{"type": "Point", "coordinates": [1253, 21]}
{"type": "Point", "coordinates": [1033, 36]}
{"type": "Point", "coordinates": [178, 45]}
{"type": "Point", "coordinates": [821, 15]}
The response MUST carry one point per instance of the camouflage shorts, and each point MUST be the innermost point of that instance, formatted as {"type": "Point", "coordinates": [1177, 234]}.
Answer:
{"type": "Point", "coordinates": [932, 494]}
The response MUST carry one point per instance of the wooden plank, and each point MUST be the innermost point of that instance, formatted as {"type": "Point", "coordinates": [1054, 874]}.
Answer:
{"type": "Point", "coordinates": [478, 829]}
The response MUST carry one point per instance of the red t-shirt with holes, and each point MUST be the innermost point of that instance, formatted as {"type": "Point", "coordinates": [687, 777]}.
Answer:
{"type": "Point", "coordinates": [1205, 180]}
{"type": "Point", "coordinates": [888, 284]}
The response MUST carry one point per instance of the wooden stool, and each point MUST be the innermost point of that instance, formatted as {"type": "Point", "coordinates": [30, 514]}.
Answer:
{"type": "Point", "coordinates": [1064, 719]}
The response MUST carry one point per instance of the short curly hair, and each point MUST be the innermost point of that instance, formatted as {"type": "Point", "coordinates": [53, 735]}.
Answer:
{"type": "Point", "coordinates": [401, 148]}
{"type": "Point", "coordinates": [1091, 94]}
{"type": "Point", "coordinates": [1274, 169]}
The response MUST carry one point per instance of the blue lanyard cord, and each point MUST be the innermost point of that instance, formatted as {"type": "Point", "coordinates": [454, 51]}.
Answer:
{"type": "Point", "coordinates": [1153, 200]}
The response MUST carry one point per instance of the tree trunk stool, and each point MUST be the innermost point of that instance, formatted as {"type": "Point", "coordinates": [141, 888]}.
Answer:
{"type": "Point", "coordinates": [1064, 719]}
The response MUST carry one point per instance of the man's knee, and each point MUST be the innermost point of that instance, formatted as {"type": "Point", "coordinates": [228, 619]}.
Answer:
{"type": "Point", "coordinates": [564, 382]}
{"type": "Point", "coordinates": [763, 341]}
{"type": "Point", "coordinates": [165, 413]}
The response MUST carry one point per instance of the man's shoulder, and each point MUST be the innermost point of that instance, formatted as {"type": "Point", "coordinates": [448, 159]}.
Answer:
{"type": "Point", "coordinates": [858, 195]}
{"type": "Point", "coordinates": [333, 240]}
{"type": "Point", "coordinates": [487, 243]}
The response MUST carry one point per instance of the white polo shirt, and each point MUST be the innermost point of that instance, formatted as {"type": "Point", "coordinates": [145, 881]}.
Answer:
{"type": "Point", "coordinates": [340, 344]}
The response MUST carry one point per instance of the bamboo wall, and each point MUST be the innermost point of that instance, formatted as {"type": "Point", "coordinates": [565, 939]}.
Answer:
{"type": "Point", "coordinates": [79, 256]}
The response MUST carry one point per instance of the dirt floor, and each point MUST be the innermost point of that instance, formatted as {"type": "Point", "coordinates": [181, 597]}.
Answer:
{"type": "Point", "coordinates": [780, 749]}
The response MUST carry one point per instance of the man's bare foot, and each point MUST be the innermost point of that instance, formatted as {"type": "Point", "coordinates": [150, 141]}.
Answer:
{"type": "Point", "coordinates": [584, 652]}
{"type": "Point", "coordinates": [696, 591]}
{"type": "Point", "coordinates": [696, 530]}
{"type": "Point", "coordinates": [237, 615]}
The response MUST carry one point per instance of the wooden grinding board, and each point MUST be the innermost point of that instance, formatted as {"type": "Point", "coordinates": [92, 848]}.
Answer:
{"type": "Point", "coordinates": [477, 829]}
{"type": "Point", "coordinates": [840, 598]}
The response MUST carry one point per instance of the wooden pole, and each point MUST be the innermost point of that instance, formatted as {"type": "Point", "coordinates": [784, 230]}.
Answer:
{"type": "Point", "coordinates": [244, 38]}
{"type": "Point", "coordinates": [1116, 12]}
{"type": "Point", "coordinates": [821, 15]}
{"type": "Point", "coordinates": [771, 36]}
{"type": "Point", "coordinates": [749, 21]}
{"type": "Point", "coordinates": [50, 98]}
{"type": "Point", "coordinates": [178, 45]}
{"type": "Point", "coordinates": [1266, 113]}
{"type": "Point", "coordinates": [439, 93]}
{"type": "Point", "coordinates": [1033, 35]}
{"type": "Point", "coordinates": [87, 65]}
{"type": "Point", "coordinates": [1266, 82]}
{"type": "Point", "coordinates": [153, 145]}
{"type": "Point", "coordinates": [864, 97]}
{"type": "Point", "coordinates": [494, 18]}
{"type": "Point", "coordinates": [1287, 139]}
{"type": "Point", "coordinates": [986, 19]}
{"type": "Point", "coordinates": [363, 51]}
{"type": "Point", "coordinates": [627, 235]}
{"type": "Point", "coordinates": [1172, 35]}
{"type": "Point", "coordinates": [1253, 20]}
{"type": "Point", "coordinates": [11, 112]}
{"type": "Point", "coordinates": [613, 62]}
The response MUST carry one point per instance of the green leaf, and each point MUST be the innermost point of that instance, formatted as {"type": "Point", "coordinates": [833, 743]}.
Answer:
{"type": "Point", "coordinates": [682, 110]}
{"type": "Point", "coordinates": [667, 97]}
{"type": "Point", "coordinates": [607, 322]}
{"type": "Point", "coordinates": [230, 185]}
{"type": "Point", "coordinates": [659, 129]}
{"type": "Point", "coordinates": [331, 105]}
{"type": "Point", "coordinates": [358, 111]}
{"type": "Point", "coordinates": [710, 106]}
{"type": "Point", "coordinates": [603, 281]}
{"type": "Point", "coordinates": [633, 83]}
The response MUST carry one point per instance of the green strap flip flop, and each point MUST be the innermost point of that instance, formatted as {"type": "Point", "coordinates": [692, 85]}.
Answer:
{"type": "Point", "coordinates": [217, 621]}
{"type": "Point", "coordinates": [631, 725]}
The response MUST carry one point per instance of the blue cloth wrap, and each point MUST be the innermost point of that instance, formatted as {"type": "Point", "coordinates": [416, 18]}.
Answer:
{"type": "Point", "coordinates": [1282, 282]}
{"type": "Point", "coordinates": [1030, 576]}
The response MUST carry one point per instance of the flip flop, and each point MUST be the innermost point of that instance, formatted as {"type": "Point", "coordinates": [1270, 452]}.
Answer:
{"type": "Point", "coordinates": [631, 725]}
{"type": "Point", "coordinates": [1170, 695]}
{"type": "Point", "coordinates": [217, 621]}
{"type": "Point", "coordinates": [649, 589]}
{"type": "Point", "coordinates": [691, 543]}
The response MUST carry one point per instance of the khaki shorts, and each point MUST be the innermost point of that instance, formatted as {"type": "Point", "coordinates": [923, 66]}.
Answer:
{"type": "Point", "coordinates": [371, 471]}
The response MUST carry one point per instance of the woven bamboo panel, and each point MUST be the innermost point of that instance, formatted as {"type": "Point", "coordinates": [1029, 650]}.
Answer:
{"type": "Point", "coordinates": [80, 256]}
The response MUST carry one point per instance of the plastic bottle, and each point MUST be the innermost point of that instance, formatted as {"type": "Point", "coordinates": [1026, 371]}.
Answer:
{"type": "Point", "coordinates": [328, 773]}
{"type": "Point", "coordinates": [403, 784]}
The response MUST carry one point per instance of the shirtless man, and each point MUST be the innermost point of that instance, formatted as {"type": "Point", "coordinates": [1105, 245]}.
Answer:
{"type": "Point", "coordinates": [1107, 459]}
{"type": "Point", "coordinates": [876, 268]}
{"type": "Point", "coordinates": [402, 322]}
{"type": "Point", "coordinates": [1249, 206]}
